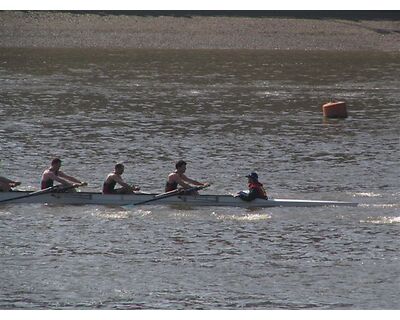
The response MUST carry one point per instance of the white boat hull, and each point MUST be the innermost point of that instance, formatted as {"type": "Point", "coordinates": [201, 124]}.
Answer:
{"type": "Point", "coordinates": [95, 198]}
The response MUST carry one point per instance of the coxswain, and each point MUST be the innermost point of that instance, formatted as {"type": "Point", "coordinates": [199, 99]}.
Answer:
{"type": "Point", "coordinates": [115, 178]}
{"type": "Point", "coordinates": [7, 184]}
{"type": "Point", "coordinates": [178, 178]}
{"type": "Point", "coordinates": [55, 174]}
{"type": "Point", "coordinates": [256, 189]}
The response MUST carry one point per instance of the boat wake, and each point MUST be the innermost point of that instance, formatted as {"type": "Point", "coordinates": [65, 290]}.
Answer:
{"type": "Point", "coordinates": [380, 205]}
{"type": "Point", "coordinates": [247, 217]}
{"type": "Point", "coordinates": [382, 220]}
{"type": "Point", "coordinates": [367, 194]}
{"type": "Point", "coordinates": [112, 215]}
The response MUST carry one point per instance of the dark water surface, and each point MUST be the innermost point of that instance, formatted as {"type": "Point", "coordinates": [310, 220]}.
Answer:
{"type": "Point", "coordinates": [226, 113]}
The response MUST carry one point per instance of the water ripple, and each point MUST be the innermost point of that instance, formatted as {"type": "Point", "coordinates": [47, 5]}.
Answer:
{"type": "Point", "coordinates": [227, 113]}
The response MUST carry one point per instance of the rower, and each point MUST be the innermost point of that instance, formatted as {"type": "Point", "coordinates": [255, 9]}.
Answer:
{"type": "Point", "coordinates": [178, 177]}
{"type": "Point", "coordinates": [55, 174]}
{"type": "Point", "coordinates": [256, 189]}
{"type": "Point", "coordinates": [115, 177]}
{"type": "Point", "coordinates": [7, 184]}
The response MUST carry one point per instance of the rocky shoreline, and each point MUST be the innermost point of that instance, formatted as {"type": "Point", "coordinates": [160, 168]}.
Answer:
{"type": "Point", "coordinates": [35, 29]}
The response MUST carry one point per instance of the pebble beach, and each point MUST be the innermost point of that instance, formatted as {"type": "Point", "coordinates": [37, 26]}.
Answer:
{"type": "Point", "coordinates": [37, 29]}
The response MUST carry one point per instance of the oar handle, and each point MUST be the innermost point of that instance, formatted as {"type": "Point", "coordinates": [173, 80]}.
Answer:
{"type": "Point", "coordinates": [82, 184]}
{"type": "Point", "coordinates": [62, 188]}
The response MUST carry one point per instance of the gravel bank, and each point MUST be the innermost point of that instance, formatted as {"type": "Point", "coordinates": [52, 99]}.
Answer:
{"type": "Point", "coordinates": [79, 30]}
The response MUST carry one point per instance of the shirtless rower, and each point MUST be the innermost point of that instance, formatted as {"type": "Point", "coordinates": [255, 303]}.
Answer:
{"type": "Point", "coordinates": [114, 178]}
{"type": "Point", "coordinates": [178, 178]}
{"type": "Point", "coordinates": [55, 174]}
{"type": "Point", "coordinates": [7, 184]}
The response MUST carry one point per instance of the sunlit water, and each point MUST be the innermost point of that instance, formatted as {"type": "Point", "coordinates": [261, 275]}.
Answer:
{"type": "Point", "coordinates": [226, 113]}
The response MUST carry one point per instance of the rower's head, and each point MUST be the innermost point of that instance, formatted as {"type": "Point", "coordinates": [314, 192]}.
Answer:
{"type": "Point", "coordinates": [253, 177]}
{"type": "Point", "coordinates": [180, 166]}
{"type": "Point", "coordinates": [56, 163]}
{"type": "Point", "coordinates": [119, 168]}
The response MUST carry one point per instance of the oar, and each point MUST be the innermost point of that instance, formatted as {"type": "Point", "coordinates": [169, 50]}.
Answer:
{"type": "Point", "coordinates": [169, 194]}
{"type": "Point", "coordinates": [43, 191]}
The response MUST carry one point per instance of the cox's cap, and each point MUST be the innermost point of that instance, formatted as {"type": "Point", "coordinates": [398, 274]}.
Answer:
{"type": "Point", "coordinates": [253, 175]}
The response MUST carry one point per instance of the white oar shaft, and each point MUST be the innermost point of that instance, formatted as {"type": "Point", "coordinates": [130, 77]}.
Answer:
{"type": "Point", "coordinates": [170, 194]}
{"type": "Point", "coordinates": [43, 191]}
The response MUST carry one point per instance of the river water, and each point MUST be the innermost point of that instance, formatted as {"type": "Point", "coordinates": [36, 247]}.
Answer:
{"type": "Point", "coordinates": [226, 113]}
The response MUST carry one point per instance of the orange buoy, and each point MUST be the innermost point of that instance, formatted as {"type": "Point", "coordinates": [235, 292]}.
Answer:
{"type": "Point", "coordinates": [335, 110]}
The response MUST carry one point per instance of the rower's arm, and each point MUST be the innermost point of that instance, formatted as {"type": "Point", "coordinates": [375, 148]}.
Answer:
{"type": "Point", "coordinates": [196, 183]}
{"type": "Point", "coordinates": [181, 181]}
{"type": "Point", "coordinates": [12, 182]}
{"type": "Point", "coordinates": [69, 178]}
{"type": "Point", "coordinates": [5, 180]}
{"type": "Point", "coordinates": [121, 182]}
{"type": "Point", "coordinates": [57, 178]}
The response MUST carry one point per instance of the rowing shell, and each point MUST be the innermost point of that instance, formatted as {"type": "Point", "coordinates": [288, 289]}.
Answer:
{"type": "Point", "coordinates": [97, 198]}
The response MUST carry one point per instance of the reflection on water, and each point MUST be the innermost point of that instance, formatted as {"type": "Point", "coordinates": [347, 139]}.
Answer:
{"type": "Point", "coordinates": [226, 113]}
